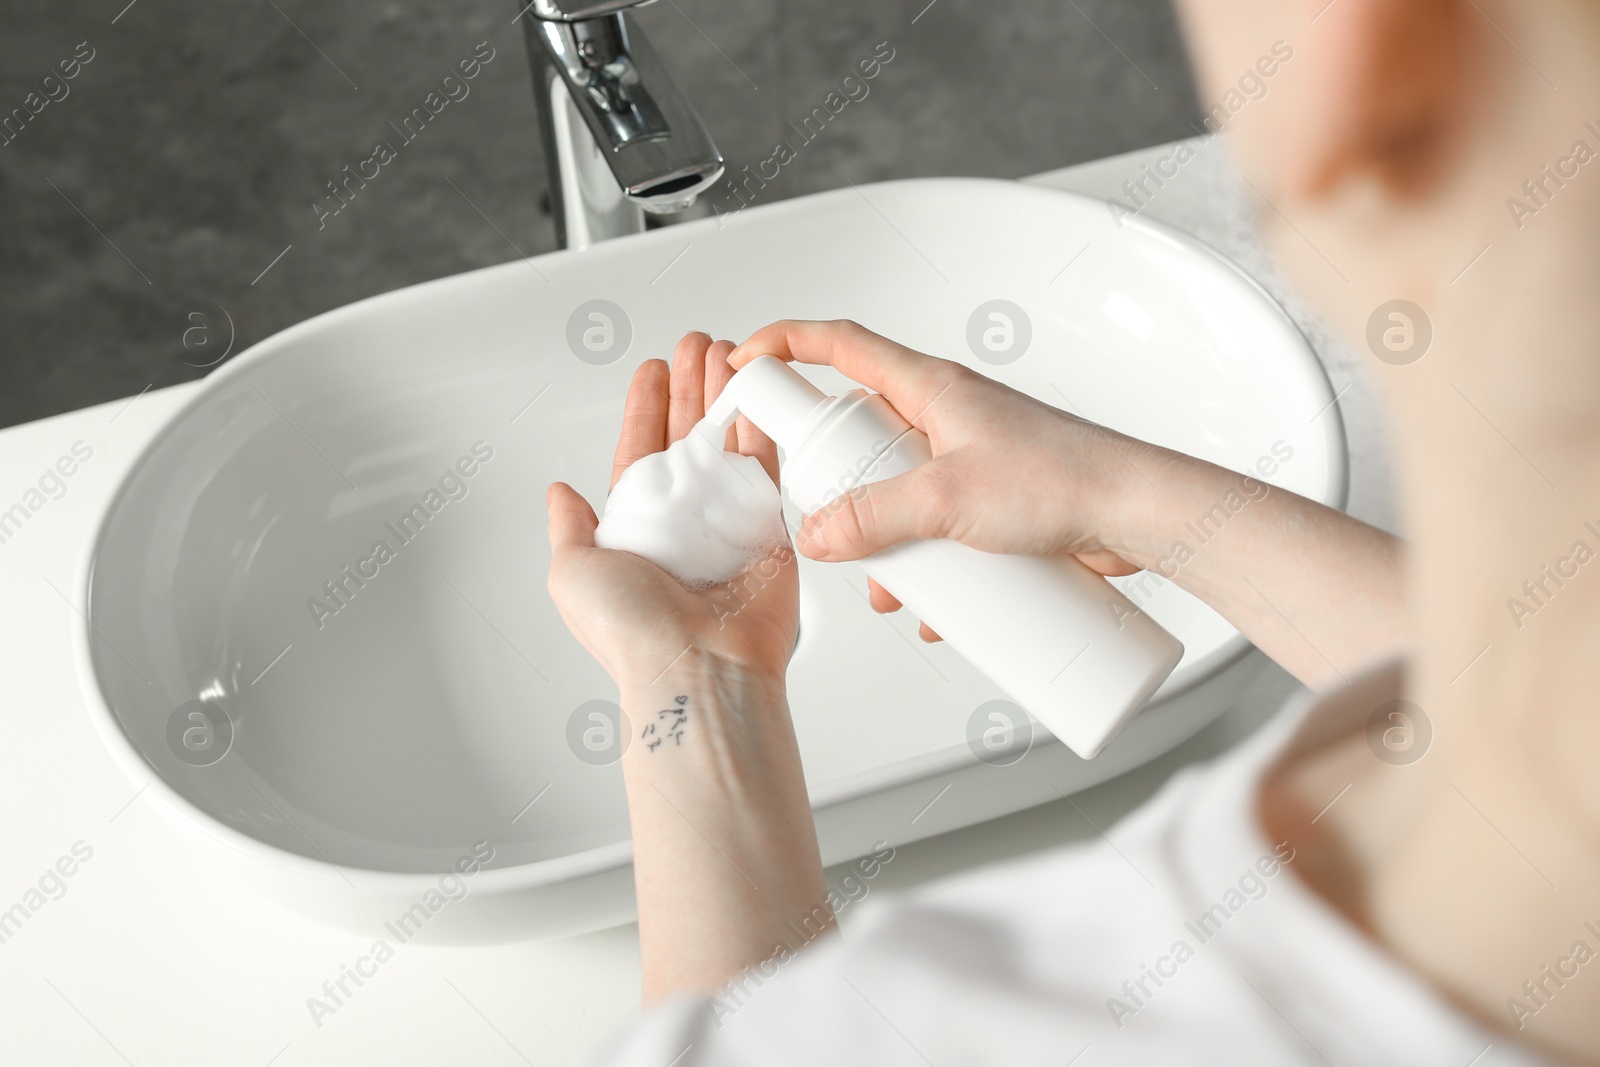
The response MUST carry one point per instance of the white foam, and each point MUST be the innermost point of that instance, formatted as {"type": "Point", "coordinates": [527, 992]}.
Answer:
{"type": "Point", "coordinates": [697, 512]}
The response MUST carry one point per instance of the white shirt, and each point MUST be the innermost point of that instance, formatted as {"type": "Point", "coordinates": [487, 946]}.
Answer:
{"type": "Point", "coordinates": [1186, 939]}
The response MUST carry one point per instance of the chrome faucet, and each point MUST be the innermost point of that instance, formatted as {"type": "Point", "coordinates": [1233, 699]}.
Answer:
{"type": "Point", "coordinates": [619, 137]}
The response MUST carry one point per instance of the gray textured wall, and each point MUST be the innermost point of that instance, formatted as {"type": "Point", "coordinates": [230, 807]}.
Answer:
{"type": "Point", "coordinates": [186, 154]}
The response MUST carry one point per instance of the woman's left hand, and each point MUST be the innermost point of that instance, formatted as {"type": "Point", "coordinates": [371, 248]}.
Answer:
{"type": "Point", "coordinates": [634, 617]}
{"type": "Point", "coordinates": [723, 810]}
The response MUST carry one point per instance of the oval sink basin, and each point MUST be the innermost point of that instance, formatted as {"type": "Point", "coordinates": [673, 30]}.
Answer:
{"type": "Point", "coordinates": [317, 617]}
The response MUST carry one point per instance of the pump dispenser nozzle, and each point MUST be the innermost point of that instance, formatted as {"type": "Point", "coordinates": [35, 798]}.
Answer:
{"type": "Point", "coordinates": [772, 395]}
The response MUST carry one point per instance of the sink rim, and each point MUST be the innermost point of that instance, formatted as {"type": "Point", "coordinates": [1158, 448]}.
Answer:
{"type": "Point", "coordinates": [608, 857]}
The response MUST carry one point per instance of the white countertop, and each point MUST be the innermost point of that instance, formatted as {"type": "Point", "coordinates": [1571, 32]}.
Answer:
{"type": "Point", "coordinates": [149, 956]}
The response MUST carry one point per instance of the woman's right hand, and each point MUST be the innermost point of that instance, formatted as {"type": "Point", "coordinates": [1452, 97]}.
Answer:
{"type": "Point", "coordinates": [1315, 589]}
{"type": "Point", "coordinates": [1008, 474]}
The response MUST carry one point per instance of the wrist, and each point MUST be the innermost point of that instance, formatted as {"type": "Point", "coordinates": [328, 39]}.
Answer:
{"type": "Point", "coordinates": [716, 680]}
{"type": "Point", "coordinates": [1165, 491]}
{"type": "Point", "coordinates": [710, 720]}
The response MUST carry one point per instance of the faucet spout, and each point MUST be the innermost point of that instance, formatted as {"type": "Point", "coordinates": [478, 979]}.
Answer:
{"type": "Point", "coordinates": [621, 139]}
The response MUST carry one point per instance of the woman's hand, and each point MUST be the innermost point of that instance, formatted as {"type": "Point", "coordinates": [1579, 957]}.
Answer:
{"type": "Point", "coordinates": [1316, 590]}
{"type": "Point", "coordinates": [635, 618]}
{"type": "Point", "coordinates": [724, 848]}
{"type": "Point", "coordinates": [1009, 473]}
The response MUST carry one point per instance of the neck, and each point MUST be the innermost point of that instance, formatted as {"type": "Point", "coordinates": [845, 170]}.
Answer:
{"type": "Point", "coordinates": [1479, 865]}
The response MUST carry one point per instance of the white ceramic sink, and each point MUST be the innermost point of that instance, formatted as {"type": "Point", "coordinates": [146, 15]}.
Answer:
{"type": "Point", "coordinates": [373, 747]}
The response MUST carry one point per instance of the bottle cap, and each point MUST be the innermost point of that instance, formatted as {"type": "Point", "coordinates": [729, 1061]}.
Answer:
{"type": "Point", "coordinates": [771, 394]}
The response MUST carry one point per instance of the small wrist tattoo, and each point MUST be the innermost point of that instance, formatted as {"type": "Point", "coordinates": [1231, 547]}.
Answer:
{"type": "Point", "coordinates": [668, 724]}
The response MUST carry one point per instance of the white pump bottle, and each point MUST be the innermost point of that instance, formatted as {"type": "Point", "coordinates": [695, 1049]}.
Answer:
{"type": "Point", "coordinates": [1058, 638]}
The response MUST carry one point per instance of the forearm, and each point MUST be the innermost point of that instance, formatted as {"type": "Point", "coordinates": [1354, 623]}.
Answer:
{"type": "Point", "coordinates": [1316, 590]}
{"type": "Point", "coordinates": [725, 850]}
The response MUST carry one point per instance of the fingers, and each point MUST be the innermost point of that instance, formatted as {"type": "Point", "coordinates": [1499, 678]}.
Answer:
{"type": "Point", "coordinates": [882, 601]}
{"type": "Point", "coordinates": [872, 517]}
{"type": "Point", "coordinates": [1107, 563]}
{"type": "Point", "coordinates": [572, 520]}
{"type": "Point", "coordinates": [688, 388]}
{"type": "Point", "coordinates": [886, 603]}
{"type": "Point", "coordinates": [911, 380]}
{"type": "Point", "coordinates": [718, 373]}
{"type": "Point", "coordinates": [644, 416]}
{"type": "Point", "coordinates": [664, 404]}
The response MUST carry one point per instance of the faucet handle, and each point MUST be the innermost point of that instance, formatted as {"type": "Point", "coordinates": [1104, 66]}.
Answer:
{"type": "Point", "coordinates": [579, 10]}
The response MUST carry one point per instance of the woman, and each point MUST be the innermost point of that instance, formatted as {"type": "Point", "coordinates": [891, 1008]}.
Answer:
{"type": "Point", "coordinates": [1303, 900]}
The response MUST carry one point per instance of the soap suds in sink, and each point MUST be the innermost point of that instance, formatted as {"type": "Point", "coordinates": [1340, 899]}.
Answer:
{"type": "Point", "coordinates": [697, 512]}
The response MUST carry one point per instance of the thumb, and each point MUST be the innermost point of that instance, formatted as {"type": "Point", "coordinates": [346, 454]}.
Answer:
{"type": "Point", "coordinates": [873, 517]}
{"type": "Point", "coordinates": [572, 520]}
